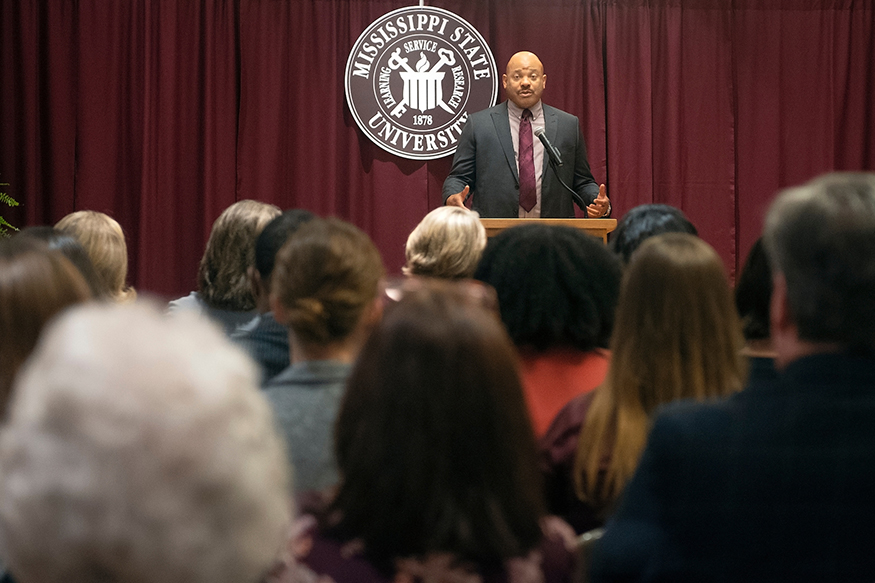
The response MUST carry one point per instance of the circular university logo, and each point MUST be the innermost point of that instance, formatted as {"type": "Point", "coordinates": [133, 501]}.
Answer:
{"type": "Point", "coordinates": [412, 78]}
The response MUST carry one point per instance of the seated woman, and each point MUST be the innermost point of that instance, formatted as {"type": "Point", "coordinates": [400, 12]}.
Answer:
{"type": "Point", "coordinates": [104, 241]}
{"type": "Point", "coordinates": [153, 459]}
{"type": "Point", "coordinates": [72, 249]}
{"type": "Point", "coordinates": [557, 290]}
{"type": "Point", "coordinates": [447, 243]}
{"type": "Point", "coordinates": [36, 284]}
{"type": "Point", "coordinates": [224, 294]}
{"type": "Point", "coordinates": [436, 454]}
{"type": "Point", "coordinates": [677, 336]}
{"type": "Point", "coordinates": [324, 289]}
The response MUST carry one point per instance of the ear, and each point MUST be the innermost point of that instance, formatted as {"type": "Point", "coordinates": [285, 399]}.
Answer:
{"type": "Point", "coordinates": [280, 313]}
{"type": "Point", "coordinates": [543, 81]}
{"type": "Point", "coordinates": [504, 81]}
{"type": "Point", "coordinates": [372, 314]}
{"type": "Point", "coordinates": [254, 281]}
{"type": "Point", "coordinates": [779, 307]}
{"type": "Point", "coordinates": [783, 330]}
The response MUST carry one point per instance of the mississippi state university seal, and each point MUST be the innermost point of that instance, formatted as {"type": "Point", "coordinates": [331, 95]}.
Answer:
{"type": "Point", "coordinates": [412, 78]}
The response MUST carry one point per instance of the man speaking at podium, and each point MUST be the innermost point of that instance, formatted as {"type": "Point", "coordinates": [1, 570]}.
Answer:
{"type": "Point", "coordinates": [503, 163]}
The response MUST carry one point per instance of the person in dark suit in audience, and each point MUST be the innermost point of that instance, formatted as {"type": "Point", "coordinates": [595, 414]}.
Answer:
{"type": "Point", "coordinates": [505, 167]}
{"type": "Point", "coordinates": [265, 339]}
{"type": "Point", "coordinates": [776, 483]}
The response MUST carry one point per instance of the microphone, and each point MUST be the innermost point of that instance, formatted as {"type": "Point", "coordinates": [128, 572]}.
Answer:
{"type": "Point", "coordinates": [555, 156]}
{"type": "Point", "coordinates": [555, 163]}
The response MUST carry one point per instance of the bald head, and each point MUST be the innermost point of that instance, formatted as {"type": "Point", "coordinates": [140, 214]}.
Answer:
{"type": "Point", "coordinates": [524, 80]}
{"type": "Point", "coordinates": [524, 60]}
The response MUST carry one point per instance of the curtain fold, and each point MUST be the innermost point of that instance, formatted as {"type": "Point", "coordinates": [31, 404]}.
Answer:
{"type": "Point", "coordinates": [164, 112]}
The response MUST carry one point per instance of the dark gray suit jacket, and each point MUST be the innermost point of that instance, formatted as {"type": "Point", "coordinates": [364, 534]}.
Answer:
{"type": "Point", "coordinates": [774, 484]}
{"type": "Point", "coordinates": [486, 162]}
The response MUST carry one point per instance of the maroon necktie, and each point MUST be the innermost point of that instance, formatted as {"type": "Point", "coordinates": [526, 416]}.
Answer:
{"type": "Point", "coordinates": [528, 191]}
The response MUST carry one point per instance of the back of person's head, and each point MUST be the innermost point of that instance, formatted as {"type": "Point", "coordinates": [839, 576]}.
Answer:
{"type": "Point", "coordinates": [557, 286]}
{"type": "Point", "coordinates": [325, 277]}
{"type": "Point", "coordinates": [645, 221]}
{"type": "Point", "coordinates": [433, 439]}
{"type": "Point", "coordinates": [139, 449]}
{"type": "Point", "coordinates": [753, 293]}
{"type": "Point", "coordinates": [73, 250]}
{"type": "Point", "coordinates": [273, 237]}
{"type": "Point", "coordinates": [36, 283]}
{"type": "Point", "coordinates": [104, 241]}
{"type": "Point", "coordinates": [821, 238]}
{"type": "Point", "coordinates": [447, 243]}
{"type": "Point", "coordinates": [677, 336]}
{"type": "Point", "coordinates": [222, 279]}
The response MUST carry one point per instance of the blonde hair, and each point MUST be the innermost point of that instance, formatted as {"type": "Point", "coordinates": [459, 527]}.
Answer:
{"type": "Point", "coordinates": [103, 239]}
{"type": "Point", "coordinates": [325, 276]}
{"type": "Point", "coordinates": [676, 336]}
{"type": "Point", "coordinates": [222, 280]}
{"type": "Point", "coordinates": [447, 243]}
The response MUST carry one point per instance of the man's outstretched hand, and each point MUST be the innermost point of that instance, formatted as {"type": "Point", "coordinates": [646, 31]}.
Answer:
{"type": "Point", "coordinates": [458, 199]}
{"type": "Point", "coordinates": [599, 207]}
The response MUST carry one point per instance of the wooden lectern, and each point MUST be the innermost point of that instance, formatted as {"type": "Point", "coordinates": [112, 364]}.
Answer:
{"type": "Point", "coordinates": [595, 227]}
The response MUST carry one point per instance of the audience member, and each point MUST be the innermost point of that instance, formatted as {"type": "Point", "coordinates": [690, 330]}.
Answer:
{"type": "Point", "coordinates": [645, 221]}
{"type": "Point", "coordinates": [774, 484]}
{"type": "Point", "coordinates": [73, 250]}
{"type": "Point", "coordinates": [224, 293]}
{"type": "Point", "coordinates": [677, 336]}
{"type": "Point", "coordinates": [437, 456]}
{"type": "Point", "coordinates": [104, 241]}
{"type": "Point", "coordinates": [557, 290]}
{"type": "Point", "coordinates": [265, 339]}
{"type": "Point", "coordinates": [447, 243]}
{"type": "Point", "coordinates": [753, 294]}
{"type": "Point", "coordinates": [137, 450]}
{"type": "Point", "coordinates": [36, 283]}
{"type": "Point", "coordinates": [324, 288]}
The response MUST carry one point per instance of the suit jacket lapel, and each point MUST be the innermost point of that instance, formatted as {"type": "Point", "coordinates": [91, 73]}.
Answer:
{"type": "Point", "coordinates": [551, 129]}
{"type": "Point", "coordinates": [502, 128]}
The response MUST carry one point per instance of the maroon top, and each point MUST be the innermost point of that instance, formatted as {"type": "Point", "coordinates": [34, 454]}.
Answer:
{"type": "Point", "coordinates": [557, 450]}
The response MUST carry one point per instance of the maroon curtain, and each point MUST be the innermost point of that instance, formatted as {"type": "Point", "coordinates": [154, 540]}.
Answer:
{"type": "Point", "coordinates": [163, 112]}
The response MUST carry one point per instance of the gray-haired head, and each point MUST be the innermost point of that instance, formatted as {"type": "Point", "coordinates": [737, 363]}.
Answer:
{"type": "Point", "coordinates": [138, 449]}
{"type": "Point", "coordinates": [821, 238]}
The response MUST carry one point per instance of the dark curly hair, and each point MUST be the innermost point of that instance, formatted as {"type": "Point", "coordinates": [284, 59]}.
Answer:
{"type": "Point", "coordinates": [645, 221]}
{"type": "Point", "coordinates": [557, 286]}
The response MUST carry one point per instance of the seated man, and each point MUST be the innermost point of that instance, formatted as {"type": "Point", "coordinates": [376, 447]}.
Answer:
{"type": "Point", "coordinates": [776, 483]}
{"type": "Point", "coordinates": [265, 339]}
{"type": "Point", "coordinates": [139, 449]}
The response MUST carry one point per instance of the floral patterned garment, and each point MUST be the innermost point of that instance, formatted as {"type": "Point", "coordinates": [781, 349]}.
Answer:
{"type": "Point", "coordinates": [315, 558]}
